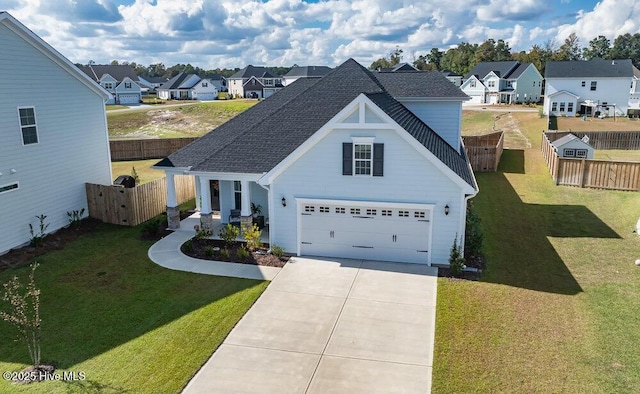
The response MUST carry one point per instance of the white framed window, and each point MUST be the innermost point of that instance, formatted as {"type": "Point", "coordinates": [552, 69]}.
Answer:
{"type": "Point", "coordinates": [127, 85]}
{"type": "Point", "coordinates": [584, 83]}
{"type": "Point", "coordinates": [569, 153]}
{"type": "Point", "coordinates": [372, 212]}
{"type": "Point", "coordinates": [324, 209]}
{"type": "Point", "coordinates": [472, 84]}
{"type": "Point", "coordinates": [562, 106]}
{"type": "Point", "coordinates": [491, 84]}
{"type": "Point", "coordinates": [403, 214]}
{"type": "Point", "coordinates": [309, 208]}
{"type": "Point", "coordinates": [594, 85]}
{"type": "Point", "coordinates": [554, 106]}
{"type": "Point", "coordinates": [204, 84]}
{"type": "Point", "coordinates": [9, 187]}
{"type": "Point", "coordinates": [419, 214]}
{"type": "Point", "coordinates": [355, 211]}
{"type": "Point", "coordinates": [108, 85]}
{"type": "Point", "coordinates": [581, 153]}
{"type": "Point", "coordinates": [570, 107]}
{"type": "Point", "coordinates": [510, 84]}
{"type": "Point", "coordinates": [28, 125]}
{"type": "Point", "coordinates": [340, 210]}
{"type": "Point", "coordinates": [268, 82]}
{"type": "Point", "coordinates": [237, 191]}
{"type": "Point", "coordinates": [362, 159]}
{"type": "Point", "coordinates": [387, 212]}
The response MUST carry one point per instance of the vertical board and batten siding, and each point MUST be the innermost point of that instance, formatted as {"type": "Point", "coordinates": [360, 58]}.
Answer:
{"type": "Point", "coordinates": [408, 178]}
{"type": "Point", "coordinates": [156, 148]}
{"type": "Point", "coordinates": [597, 174]}
{"type": "Point", "coordinates": [621, 140]}
{"type": "Point", "coordinates": [73, 144]}
{"type": "Point", "coordinates": [445, 118]}
{"type": "Point", "coordinates": [132, 206]}
{"type": "Point", "coordinates": [484, 151]}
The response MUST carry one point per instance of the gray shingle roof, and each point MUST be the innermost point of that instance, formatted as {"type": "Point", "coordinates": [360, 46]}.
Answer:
{"type": "Point", "coordinates": [419, 84]}
{"type": "Point", "coordinates": [308, 71]}
{"type": "Point", "coordinates": [175, 82]}
{"type": "Point", "coordinates": [261, 137]}
{"type": "Point", "coordinates": [502, 69]}
{"type": "Point", "coordinates": [589, 69]}
{"type": "Point", "coordinates": [119, 72]}
{"type": "Point", "coordinates": [253, 71]}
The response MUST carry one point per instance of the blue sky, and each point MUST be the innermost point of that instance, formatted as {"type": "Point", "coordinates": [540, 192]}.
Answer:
{"type": "Point", "coordinates": [234, 33]}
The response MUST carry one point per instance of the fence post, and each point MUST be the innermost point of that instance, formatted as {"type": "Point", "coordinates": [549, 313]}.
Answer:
{"type": "Point", "coordinates": [583, 163]}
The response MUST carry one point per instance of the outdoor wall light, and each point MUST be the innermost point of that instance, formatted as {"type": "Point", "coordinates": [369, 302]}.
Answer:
{"type": "Point", "coordinates": [13, 171]}
{"type": "Point", "coordinates": [446, 209]}
{"type": "Point", "coordinates": [284, 202]}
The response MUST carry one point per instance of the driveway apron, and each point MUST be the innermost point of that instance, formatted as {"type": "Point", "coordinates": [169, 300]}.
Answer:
{"type": "Point", "coordinates": [331, 326]}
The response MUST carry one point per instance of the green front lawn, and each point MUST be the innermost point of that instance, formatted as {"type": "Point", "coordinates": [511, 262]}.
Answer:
{"type": "Point", "coordinates": [127, 323]}
{"type": "Point", "coordinates": [557, 308]}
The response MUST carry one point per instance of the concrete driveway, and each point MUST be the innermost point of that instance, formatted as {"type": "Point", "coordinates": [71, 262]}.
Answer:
{"type": "Point", "coordinates": [331, 326]}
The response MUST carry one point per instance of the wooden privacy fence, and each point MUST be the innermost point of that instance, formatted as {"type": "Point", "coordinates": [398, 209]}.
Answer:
{"type": "Point", "coordinates": [484, 151]}
{"type": "Point", "coordinates": [155, 148]}
{"type": "Point", "coordinates": [132, 206]}
{"type": "Point", "coordinates": [598, 174]}
{"type": "Point", "coordinates": [622, 140]}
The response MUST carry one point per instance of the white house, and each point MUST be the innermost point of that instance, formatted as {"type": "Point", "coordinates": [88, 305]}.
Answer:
{"type": "Point", "coordinates": [50, 147]}
{"type": "Point", "coordinates": [254, 82]}
{"type": "Point", "coordinates": [570, 146]}
{"type": "Point", "coordinates": [375, 169]}
{"type": "Point", "coordinates": [593, 87]}
{"type": "Point", "coordinates": [455, 78]}
{"type": "Point", "coordinates": [119, 80]}
{"type": "Point", "coordinates": [507, 82]}
{"type": "Point", "coordinates": [188, 87]}
{"type": "Point", "coordinates": [304, 72]}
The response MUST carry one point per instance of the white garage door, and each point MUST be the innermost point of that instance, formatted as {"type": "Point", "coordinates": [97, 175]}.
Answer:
{"type": "Point", "coordinates": [475, 99]}
{"type": "Point", "coordinates": [388, 232]}
{"type": "Point", "coordinates": [207, 96]}
{"type": "Point", "coordinates": [129, 98]}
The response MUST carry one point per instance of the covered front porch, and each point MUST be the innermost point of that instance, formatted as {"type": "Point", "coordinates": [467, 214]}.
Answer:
{"type": "Point", "coordinates": [188, 225]}
{"type": "Point", "coordinates": [221, 199]}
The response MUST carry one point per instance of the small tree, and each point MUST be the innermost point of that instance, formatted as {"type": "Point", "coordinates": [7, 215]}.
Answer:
{"type": "Point", "coordinates": [252, 234]}
{"type": "Point", "coordinates": [24, 312]}
{"type": "Point", "coordinates": [456, 261]}
{"type": "Point", "coordinates": [228, 234]}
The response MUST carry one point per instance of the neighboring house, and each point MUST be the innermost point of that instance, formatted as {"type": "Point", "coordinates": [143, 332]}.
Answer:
{"type": "Point", "coordinates": [219, 82]}
{"type": "Point", "coordinates": [152, 83]}
{"type": "Point", "coordinates": [398, 67]}
{"type": "Point", "coordinates": [304, 72]}
{"type": "Point", "coordinates": [508, 82]}
{"type": "Point", "coordinates": [455, 78]}
{"type": "Point", "coordinates": [591, 87]}
{"type": "Point", "coordinates": [188, 87]}
{"type": "Point", "coordinates": [50, 148]}
{"type": "Point", "coordinates": [254, 82]}
{"type": "Point", "coordinates": [570, 146]}
{"type": "Point", "coordinates": [356, 164]}
{"type": "Point", "coordinates": [119, 80]}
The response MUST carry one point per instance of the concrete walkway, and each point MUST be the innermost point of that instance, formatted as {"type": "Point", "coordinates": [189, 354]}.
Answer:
{"type": "Point", "coordinates": [331, 326]}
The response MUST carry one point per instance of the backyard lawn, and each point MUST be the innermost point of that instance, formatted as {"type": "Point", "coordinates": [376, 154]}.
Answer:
{"type": "Point", "coordinates": [595, 124]}
{"type": "Point", "coordinates": [143, 169]}
{"type": "Point", "coordinates": [558, 307]}
{"type": "Point", "coordinates": [189, 120]}
{"type": "Point", "coordinates": [128, 324]}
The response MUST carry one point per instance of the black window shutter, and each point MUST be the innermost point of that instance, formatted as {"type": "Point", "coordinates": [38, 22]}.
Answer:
{"type": "Point", "coordinates": [378, 159]}
{"type": "Point", "coordinates": [347, 158]}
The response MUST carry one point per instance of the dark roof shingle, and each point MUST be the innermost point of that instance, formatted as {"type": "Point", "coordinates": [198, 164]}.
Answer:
{"type": "Point", "coordinates": [119, 72]}
{"type": "Point", "coordinates": [589, 68]}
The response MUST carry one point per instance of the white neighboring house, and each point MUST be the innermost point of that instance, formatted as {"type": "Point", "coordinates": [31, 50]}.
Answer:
{"type": "Point", "coordinates": [304, 72]}
{"type": "Point", "coordinates": [254, 82]}
{"type": "Point", "coordinates": [374, 170]}
{"type": "Point", "coordinates": [48, 151]}
{"type": "Point", "coordinates": [455, 78]}
{"type": "Point", "coordinates": [188, 87]}
{"type": "Point", "coordinates": [151, 83]}
{"type": "Point", "coordinates": [119, 80]}
{"type": "Point", "coordinates": [593, 87]}
{"type": "Point", "coordinates": [507, 82]}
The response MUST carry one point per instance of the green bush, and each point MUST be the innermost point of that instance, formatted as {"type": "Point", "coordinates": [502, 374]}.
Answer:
{"type": "Point", "coordinates": [277, 251]}
{"type": "Point", "coordinates": [456, 261]}
{"type": "Point", "coordinates": [153, 227]}
{"type": "Point", "coordinates": [252, 234]}
{"type": "Point", "coordinates": [224, 253]}
{"type": "Point", "coordinates": [37, 236]}
{"type": "Point", "coordinates": [229, 234]}
{"type": "Point", "coordinates": [473, 234]}
{"type": "Point", "coordinates": [187, 246]}
{"type": "Point", "coordinates": [242, 253]}
{"type": "Point", "coordinates": [208, 250]}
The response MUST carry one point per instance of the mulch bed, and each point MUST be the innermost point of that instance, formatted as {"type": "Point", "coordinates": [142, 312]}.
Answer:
{"type": "Point", "coordinates": [473, 262]}
{"type": "Point", "coordinates": [199, 250]}
{"type": "Point", "coordinates": [54, 241]}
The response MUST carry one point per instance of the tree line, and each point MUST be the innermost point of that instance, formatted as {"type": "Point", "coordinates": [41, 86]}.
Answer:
{"type": "Point", "coordinates": [465, 56]}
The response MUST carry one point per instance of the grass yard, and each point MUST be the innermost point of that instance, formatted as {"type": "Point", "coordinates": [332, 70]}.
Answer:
{"type": "Point", "coordinates": [595, 124]}
{"type": "Point", "coordinates": [558, 306]}
{"type": "Point", "coordinates": [128, 324]}
{"type": "Point", "coordinates": [617, 155]}
{"type": "Point", "coordinates": [143, 168]}
{"type": "Point", "coordinates": [478, 122]}
{"type": "Point", "coordinates": [112, 107]}
{"type": "Point", "coordinates": [189, 120]}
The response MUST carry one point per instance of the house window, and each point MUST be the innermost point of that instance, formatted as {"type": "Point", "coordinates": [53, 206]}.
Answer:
{"type": "Point", "coordinates": [509, 84]}
{"type": "Point", "coordinates": [472, 84]}
{"type": "Point", "coordinates": [362, 159]}
{"type": "Point", "coordinates": [268, 82]}
{"type": "Point", "coordinates": [570, 107]}
{"type": "Point", "coordinates": [403, 214]}
{"type": "Point", "coordinates": [127, 85]}
{"type": "Point", "coordinates": [340, 210]}
{"type": "Point", "coordinates": [569, 153]}
{"type": "Point", "coordinates": [108, 85]}
{"type": "Point", "coordinates": [594, 84]}
{"type": "Point", "coordinates": [491, 84]}
{"type": "Point", "coordinates": [372, 212]}
{"type": "Point", "coordinates": [28, 125]}
{"type": "Point", "coordinates": [355, 211]}
{"type": "Point", "coordinates": [9, 187]}
{"type": "Point", "coordinates": [554, 106]}
{"type": "Point", "coordinates": [324, 209]}
{"type": "Point", "coordinates": [562, 106]}
{"type": "Point", "coordinates": [584, 83]}
{"type": "Point", "coordinates": [387, 212]}
{"type": "Point", "coordinates": [204, 84]}
{"type": "Point", "coordinates": [309, 208]}
{"type": "Point", "coordinates": [419, 214]}
{"type": "Point", "coordinates": [581, 153]}
{"type": "Point", "coordinates": [237, 191]}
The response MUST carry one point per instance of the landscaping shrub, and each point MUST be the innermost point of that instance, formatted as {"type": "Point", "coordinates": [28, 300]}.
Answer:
{"type": "Point", "coordinates": [252, 234]}
{"type": "Point", "coordinates": [37, 236]}
{"type": "Point", "coordinates": [456, 261]}
{"type": "Point", "coordinates": [277, 251]}
{"type": "Point", "coordinates": [187, 246]}
{"type": "Point", "coordinates": [154, 227]}
{"type": "Point", "coordinates": [242, 253]}
{"type": "Point", "coordinates": [224, 253]}
{"type": "Point", "coordinates": [75, 217]}
{"type": "Point", "coordinates": [229, 233]}
{"type": "Point", "coordinates": [473, 234]}
{"type": "Point", "coordinates": [208, 251]}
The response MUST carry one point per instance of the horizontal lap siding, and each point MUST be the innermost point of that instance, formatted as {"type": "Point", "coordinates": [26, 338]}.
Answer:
{"type": "Point", "coordinates": [72, 148]}
{"type": "Point", "coordinates": [444, 118]}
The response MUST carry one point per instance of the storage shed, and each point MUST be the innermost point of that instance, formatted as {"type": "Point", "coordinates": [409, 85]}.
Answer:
{"type": "Point", "coordinates": [570, 146]}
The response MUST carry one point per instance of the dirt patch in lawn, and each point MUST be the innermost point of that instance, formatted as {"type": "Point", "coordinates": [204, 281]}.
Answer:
{"type": "Point", "coordinates": [213, 249]}
{"type": "Point", "coordinates": [54, 241]}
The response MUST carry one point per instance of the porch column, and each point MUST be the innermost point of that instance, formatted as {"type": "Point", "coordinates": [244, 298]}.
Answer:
{"type": "Point", "coordinates": [246, 219]}
{"type": "Point", "coordinates": [206, 218]}
{"type": "Point", "coordinates": [173, 211]}
{"type": "Point", "coordinates": [197, 184]}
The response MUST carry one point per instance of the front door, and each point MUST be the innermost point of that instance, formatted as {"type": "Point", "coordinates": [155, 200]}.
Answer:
{"type": "Point", "coordinates": [215, 195]}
